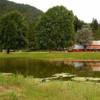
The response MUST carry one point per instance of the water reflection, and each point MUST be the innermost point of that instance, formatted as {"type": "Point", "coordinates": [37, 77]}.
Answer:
{"type": "Point", "coordinates": [41, 69]}
{"type": "Point", "coordinates": [78, 64]}
{"type": "Point", "coordinates": [95, 66]}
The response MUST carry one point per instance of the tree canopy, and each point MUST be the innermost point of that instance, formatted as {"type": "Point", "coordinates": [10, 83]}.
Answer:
{"type": "Point", "coordinates": [13, 31]}
{"type": "Point", "coordinates": [84, 36]}
{"type": "Point", "coordinates": [78, 24]}
{"type": "Point", "coordinates": [55, 30]}
{"type": "Point", "coordinates": [94, 25]}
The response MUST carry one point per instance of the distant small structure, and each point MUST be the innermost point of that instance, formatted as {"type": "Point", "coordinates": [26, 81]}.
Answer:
{"type": "Point", "coordinates": [93, 46]}
{"type": "Point", "coordinates": [78, 48]}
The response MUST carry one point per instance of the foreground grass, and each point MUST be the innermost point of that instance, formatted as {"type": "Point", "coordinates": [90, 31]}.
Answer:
{"type": "Point", "coordinates": [16, 87]}
{"type": "Point", "coordinates": [54, 55]}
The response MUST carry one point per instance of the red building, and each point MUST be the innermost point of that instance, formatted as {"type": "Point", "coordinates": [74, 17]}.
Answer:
{"type": "Point", "coordinates": [93, 46]}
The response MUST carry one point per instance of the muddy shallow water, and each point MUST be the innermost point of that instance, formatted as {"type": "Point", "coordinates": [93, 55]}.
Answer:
{"type": "Point", "coordinates": [43, 69]}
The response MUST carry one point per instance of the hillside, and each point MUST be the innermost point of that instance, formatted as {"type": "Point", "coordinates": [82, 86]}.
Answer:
{"type": "Point", "coordinates": [30, 12]}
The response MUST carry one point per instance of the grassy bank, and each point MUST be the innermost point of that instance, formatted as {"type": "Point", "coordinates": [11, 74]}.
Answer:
{"type": "Point", "coordinates": [54, 55]}
{"type": "Point", "coordinates": [16, 87]}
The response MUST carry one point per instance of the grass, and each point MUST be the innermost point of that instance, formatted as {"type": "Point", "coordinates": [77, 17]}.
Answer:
{"type": "Point", "coordinates": [17, 87]}
{"type": "Point", "coordinates": [54, 55]}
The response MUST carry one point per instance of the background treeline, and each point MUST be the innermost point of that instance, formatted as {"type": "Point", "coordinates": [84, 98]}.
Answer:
{"type": "Point", "coordinates": [31, 13]}
{"type": "Point", "coordinates": [26, 27]}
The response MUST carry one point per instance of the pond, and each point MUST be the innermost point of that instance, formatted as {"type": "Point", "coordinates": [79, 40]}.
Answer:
{"type": "Point", "coordinates": [43, 69]}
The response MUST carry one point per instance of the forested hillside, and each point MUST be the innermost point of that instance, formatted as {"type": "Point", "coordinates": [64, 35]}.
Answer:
{"type": "Point", "coordinates": [30, 12]}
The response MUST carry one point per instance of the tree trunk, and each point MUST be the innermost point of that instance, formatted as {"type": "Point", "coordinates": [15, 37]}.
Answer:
{"type": "Point", "coordinates": [8, 51]}
{"type": "Point", "coordinates": [85, 48]}
{"type": "Point", "coordinates": [1, 50]}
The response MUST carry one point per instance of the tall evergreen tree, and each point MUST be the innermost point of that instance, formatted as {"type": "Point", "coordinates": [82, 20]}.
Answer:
{"type": "Point", "coordinates": [78, 24]}
{"type": "Point", "coordinates": [94, 25]}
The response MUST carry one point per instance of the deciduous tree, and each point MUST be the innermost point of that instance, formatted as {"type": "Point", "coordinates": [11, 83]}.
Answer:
{"type": "Point", "coordinates": [55, 31]}
{"type": "Point", "coordinates": [13, 31]}
{"type": "Point", "coordinates": [84, 36]}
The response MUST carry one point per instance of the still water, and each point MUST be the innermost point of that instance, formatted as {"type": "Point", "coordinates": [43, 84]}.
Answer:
{"type": "Point", "coordinates": [43, 69]}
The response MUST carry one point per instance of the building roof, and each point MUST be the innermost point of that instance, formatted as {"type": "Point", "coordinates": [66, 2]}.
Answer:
{"type": "Point", "coordinates": [95, 42]}
{"type": "Point", "coordinates": [78, 46]}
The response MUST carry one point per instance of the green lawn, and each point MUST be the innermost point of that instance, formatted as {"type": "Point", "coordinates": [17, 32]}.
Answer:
{"type": "Point", "coordinates": [16, 87]}
{"type": "Point", "coordinates": [54, 55]}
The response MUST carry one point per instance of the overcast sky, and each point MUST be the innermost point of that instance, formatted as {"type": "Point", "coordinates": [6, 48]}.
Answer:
{"type": "Point", "coordinates": [85, 9]}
